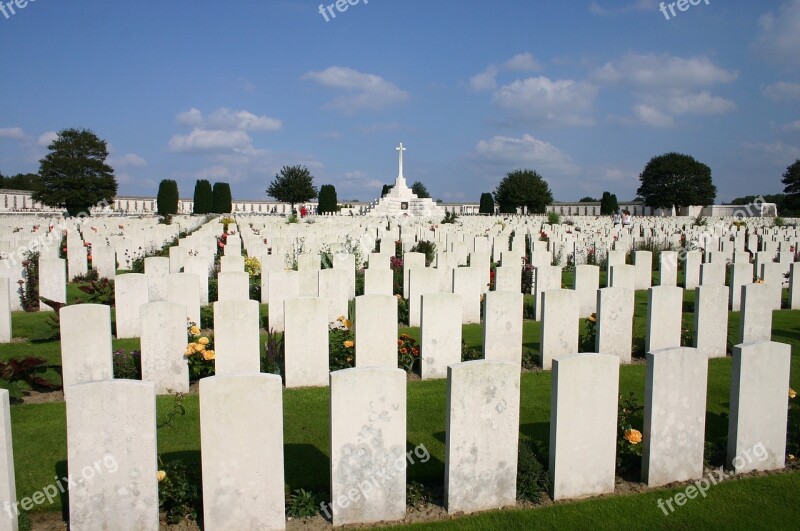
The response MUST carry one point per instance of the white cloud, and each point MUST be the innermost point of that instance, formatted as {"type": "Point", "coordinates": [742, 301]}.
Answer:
{"type": "Point", "coordinates": [652, 116]}
{"type": "Point", "coordinates": [526, 151]}
{"type": "Point", "coordinates": [523, 62]}
{"type": "Point", "coordinates": [45, 139]}
{"type": "Point", "coordinates": [701, 103]}
{"type": "Point", "coordinates": [364, 91]}
{"type": "Point", "coordinates": [793, 126]}
{"type": "Point", "coordinates": [663, 72]}
{"type": "Point", "coordinates": [204, 140]}
{"type": "Point", "coordinates": [779, 35]}
{"type": "Point", "coordinates": [15, 133]}
{"type": "Point", "coordinates": [486, 80]}
{"type": "Point", "coordinates": [776, 150]}
{"type": "Point", "coordinates": [637, 5]}
{"type": "Point", "coordinates": [225, 119]}
{"type": "Point", "coordinates": [541, 100]}
{"type": "Point", "coordinates": [332, 135]}
{"type": "Point", "coordinates": [130, 160]}
{"type": "Point", "coordinates": [782, 90]}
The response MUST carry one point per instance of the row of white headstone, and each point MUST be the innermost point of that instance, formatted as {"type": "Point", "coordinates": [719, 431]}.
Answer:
{"type": "Point", "coordinates": [241, 418]}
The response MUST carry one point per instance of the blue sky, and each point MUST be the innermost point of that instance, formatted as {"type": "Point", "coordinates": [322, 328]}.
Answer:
{"type": "Point", "coordinates": [584, 92]}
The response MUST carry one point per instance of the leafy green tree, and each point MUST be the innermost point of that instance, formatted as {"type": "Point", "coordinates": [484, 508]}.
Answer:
{"type": "Point", "coordinates": [608, 204]}
{"type": "Point", "coordinates": [293, 184]}
{"type": "Point", "coordinates": [487, 204]}
{"type": "Point", "coordinates": [523, 188]}
{"type": "Point", "coordinates": [386, 189]}
{"type": "Point", "coordinates": [328, 201]}
{"type": "Point", "coordinates": [791, 179]}
{"type": "Point", "coordinates": [203, 197]}
{"type": "Point", "coordinates": [420, 190]}
{"type": "Point", "coordinates": [74, 175]}
{"type": "Point", "coordinates": [22, 181]}
{"type": "Point", "coordinates": [678, 180]}
{"type": "Point", "coordinates": [587, 199]}
{"type": "Point", "coordinates": [167, 199]}
{"type": "Point", "coordinates": [222, 202]}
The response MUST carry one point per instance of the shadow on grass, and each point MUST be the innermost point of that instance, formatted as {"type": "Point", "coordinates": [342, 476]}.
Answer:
{"type": "Point", "coordinates": [306, 467]}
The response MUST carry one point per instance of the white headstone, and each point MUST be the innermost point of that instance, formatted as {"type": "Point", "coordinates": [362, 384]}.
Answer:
{"type": "Point", "coordinates": [157, 269]}
{"type": "Point", "coordinates": [5, 310]}
{"type": "Point", "coordinates": [755, 322]}
{"type": "Point", "coordinates": [8, 488]}
{"type": "Point", "coordinates": [441, 334]}
{"type": "Point", "coordinates": [236, 337]}
{"type": "Point", "coordinates": [615, 322]}
{"type": "Point", "coordinates": [560, 326]}
{"type": "Point", "coordinates": [711, 332]}
{"type": "Point", "coordinates": [421, 282]}
{"type": "Point", "coordinates": [334, 287]}
{"type": "Point", "coordinates": [182, 289]}
{"type": "Point", "coordinates": [502, 327]}
{"type": "Point", "coordinates": [163, 345]}
{"type": "Point", "coordinates": [52, 280]}
{"type": "Point", "coordinates": [283, 285]}
{"type": "Point", "coordinates": [233, 286]}
{"type": "Point", "coordinates": [305, 342]}
{"type": "Point", "coordinates": [643, 262]}
{"type": "Point", "coordinates": [664, 314]}
{"type": "Point", "coordinates": [378, 281]}
{"type": "Point", "coordinates": [376, 331]}
{"type": "Point", "coordinates": [85, 344]}
{"type": "Point", "coordinates": [467, 282]}
{"type": "Point", "coordinates": [587, 282]}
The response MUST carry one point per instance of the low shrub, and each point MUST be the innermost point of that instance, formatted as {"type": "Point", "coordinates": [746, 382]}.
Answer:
{"type": "Point", "coordinates": [533, 481]}
{"type": "Point", "coordinates": [127, 365]}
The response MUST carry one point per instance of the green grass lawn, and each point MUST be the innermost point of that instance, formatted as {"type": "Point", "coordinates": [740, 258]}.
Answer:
{"type": "Point", "coordinates": [40, 440]}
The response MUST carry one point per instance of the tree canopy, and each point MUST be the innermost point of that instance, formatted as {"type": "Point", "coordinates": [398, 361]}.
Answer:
{"type": "Point", "coordinates": [791, 180]}
{"type": "Point", "coordinates": [674, 179]}
{"type": "Point", "coordinates": [328, 201]}
{"type": "Point", "coordinates": [21, 181]}
{"type": "Point", "coordinates": [386, 189]}
{"type": "Point", "coordinates": [203, 197]}
{"type": "Point", "coordinates": [523, 188]}
{"type": "Point", "coordinates": [608, 204]}
{"type": "Point", "coordinates": [167, 198]}
{"type": "Point", "coordinates": [293, 184]}
{"type": "Point", "coordinates": [420, 190]}
{"type": "Point", "coordinates": [587, 199]}
{"type": "Point", "coordinates": [487, 204]}
{"type": "Point", "coordinates": [222, 199]}
{"type": "Point", "coordinates": [74, 175]}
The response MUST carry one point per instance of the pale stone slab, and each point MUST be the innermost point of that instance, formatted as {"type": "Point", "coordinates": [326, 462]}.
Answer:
{"type": "Point", "coordinates": [8, 488]}
{"type": "Point", "coordinates": [334, 287]}
{"type": "Point", "coordinates": [368, 445]}
{"type": "Point", "coordinates": [692, 269]}
{"type": "Point", "coordinates": [614, 258]}
{"type": "Point", "coordinates": [308, 268]}
{"type": "Point", "coordinates": [440, 334]}
{"type": "Point", "coordinates": [664, 313]}
{"type": "Point", "coordinates": [758, 406]}
{"type": "Point", "coordinates": [772, 275]}
{"type": "Point", "coordinates": [182, 289]}
{"type": "Point", "coordinates": [13, 271]}
{"type": "Point", "coordinates": [305, 342]}
{"type": "Point", "coordinates": [111, 445]}
{"type": "Point", "coordinates": [378, 281]}
{"type": "Point", "coordinates": [668, 268]}
{"type": "Point", "coordinates": [411, 261]}
{"type": "Point", "coordinates": [587, 282]}
{"type": "Point", "coordinates": [236, 337]}
{"type": "Point", "coordinates": [560, 325]}
{"type": "Point", "coordinates": [483, 406]}
{"type": "Point", "coordinates": [615, 322]}
{"type": "Point", "coordinates": [198, 265]}
{"type": "Point", "coordinates": [130, 293]}
{"type": "Point", "coordinates": [77, 260]}
{"type": "Point", "coordinates": [104, 260]}
{"type": "Point", "coordinates": [283, 285]}
{"type": "Point", "coordinates": [177, 256]}
{"type": "Point", "coordinates": [468, 282]}
{"type": "Point", "coordinates": [583, 425]}
{"type": "Point", "coordinates": [712, 274]}
{"type": "Point", "coordinates": [242, 452]}
{"type": "Point", "coordinates": [421, 282]}
{"type": "Point", "coordinates": [674, 415]}
{"type": "Point", "coordinates": [623, 276]}
{"type": "Point", "coordinates": [157, 269]}
{"type": "Point", "coordinates": [5, 310]}
{"type": "Point", "coordinates": [85, 344]}
{"type": "Point", "coordinates": [376, 331]}
{"type": "Point", "coordinates": [232, 263]}
{"type": "Point", "coordinates": [741, 275]}
{"type": "Point", "coordinates": [502, 327]}
{"type": "Point", "coordinates": [52, 281]}
{"type": "Point", "coordinates": [643, 262]}
{"type": "Point", "coordinates": [163, 345]}
{"type": "Point", "coordinates": [507, 278]}
{"type": "Point", "coordinates": [347, 263]}
{"type": "Point", "coordinates": [233, 286]}
{"type": "Point", "coordinates": [547, 278]}
{"type": "Point", "coordinates": [755, 322]}
{"type": "Point", "coordinates": [710, 321]}
{"type": "Point", "coordinates": [794, 286]}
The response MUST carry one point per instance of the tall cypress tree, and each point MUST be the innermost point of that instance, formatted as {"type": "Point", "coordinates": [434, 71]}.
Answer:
{"type": "Point", "coordinates": [167, 199]}
{"type": "Point", "coordinates": [328, 202]}
{"type": "Point", "coordinates": [203, 197]}
{"type": "Point", "coordinates": [222, 202]}
{"type": "Point", "coordinates": [487, 204]}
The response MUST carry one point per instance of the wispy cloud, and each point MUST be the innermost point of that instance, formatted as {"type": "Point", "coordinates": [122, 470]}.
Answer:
{"type": "Point", "coordinates": [778, 39]}
{"type": "Point", "coordinates": [363, 92]}
{"type": "Point", "coordinates": [638, 5]}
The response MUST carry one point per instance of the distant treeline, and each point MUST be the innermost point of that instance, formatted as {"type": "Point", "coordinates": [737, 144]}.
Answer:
{"type": "Point", "coordinates": [20, 181]}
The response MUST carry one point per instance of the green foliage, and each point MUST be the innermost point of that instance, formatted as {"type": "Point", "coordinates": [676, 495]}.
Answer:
{"type": "Point", "coordinates": [531, 359]}
{"type": "Point", "coordinates": [203, 197]}
{"type": "Point", "coordinates": [487, 204]}
{"type": "Point", "coordinates": [416, 494]}
{"type": "Point", "coordinates": [328, 202]}
{"type": "Point", "coordinates": [178, 409]}
{"type": "Point", "coordinates": [420, 190]}
{"type": "Point", "coordinates": [469, 353]}
{"type": "Point", "coordinates": [587, 199]}
{"type": "Point", "coordinates": [449, 218]}
{"type": "Point", "coordinates": [402, 310]}
{"type": "Point", "coordinates": [273, 356]}
{"type": "Point", "coordinates": [523, 188]}
{"type": "Point", "coordinates": [74, 175]}
{"type": "Point", "coordinates": [127, 364]}
{"type": "Point", "coordinates": [21, 181]}
{"type": "Point", "coordinates": [302, 504]}
{"type": "Point", "coordinates": [629, 452]}
{"type": "Point", "coordinates": [222, 200]}
{"type": "Point", "coordinates": [676, 180]}
{"type": "Point", "coordinates": [778, 222]}
{"type": "Point", "coordinates": [167, 199]}
{"type": "Point", "coordinates": [608, 204]}
{"type": "Point", "coordinates": [791, 181]}
{"type": "Point", "coordinates": [179, 494]}
{"type": "Point", "coordinates": [341, 347]}
{"type": "Point", "coordinates": [293, 184]}
{"type": "Point", "coordinates": [207, 317]}
{"type": "Point", "coordinates": [533, 481]}
{"type": "Point", "coordinates": [700, 221]}
{"type": "Point", "coordinates": [588, 339]}
{"type": "Point", "coordinates": [408, 354]}
{"type": "Point", "coordinates": [386, 189]}
{"type": "Point", "coordinates": [428, 249]}
{"type": "Point", "coordinates": [99, 292]}
{"type": "Point", "coordinates": [19, 376]}
{"type": "Point", "coordinates": [553, 218]}
{"type": "Point", "coordinates": [29, 290]}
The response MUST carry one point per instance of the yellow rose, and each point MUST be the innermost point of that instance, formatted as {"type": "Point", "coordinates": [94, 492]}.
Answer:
{"type": "Point", "coordinates": [194, 330]}
{"type": "Point", "coordinates": [189, 352]}
{"type": "Point", "coordinates": [199, 348]}
{"type": "Point", "coordinates": [633, 436]}
{"type": "Point", "coordinates": [792, 393]}
{"type": "Point", "coordinates": [203, 341]}
{"type": "Point", "coordinates": [161, 475]}
{"type": "Point", "coordinates": [209, 355]}
{"type": "Point", "coordinates": [191, 345]}
{"type": "Point", "coordinates": [340, 318]}
{"type": "Point", "coordinates": [347, 323]}
{"type": "Point", "coordinates": [349, 344]}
